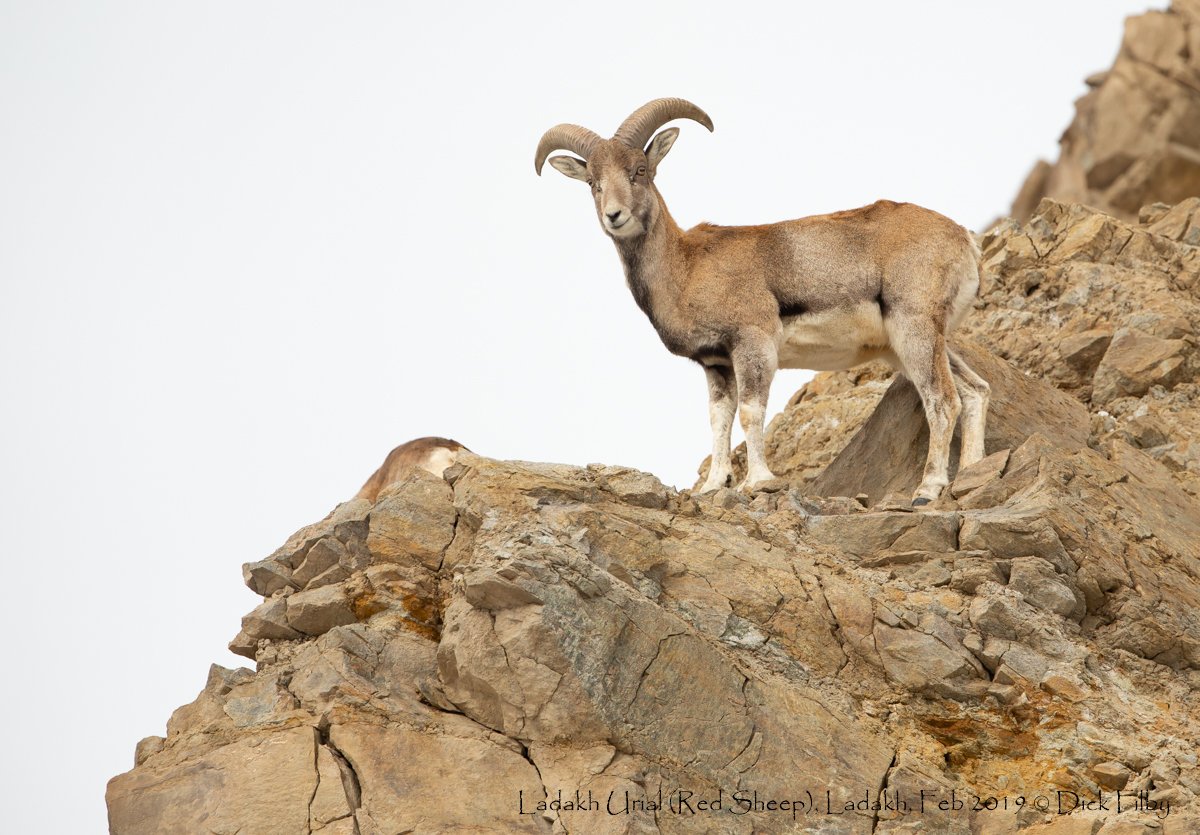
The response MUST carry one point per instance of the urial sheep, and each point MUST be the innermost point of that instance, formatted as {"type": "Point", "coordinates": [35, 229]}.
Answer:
{"type": "Point", "coordinates": [886, 281]}
{"type": "Point", "coordinates": [431, 454]}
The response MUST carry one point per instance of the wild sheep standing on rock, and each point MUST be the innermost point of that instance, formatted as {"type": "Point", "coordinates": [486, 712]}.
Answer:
{"type": "Point", "coordinates": [431, 454]}
{"type": "Point", "coordinates": [886, 281]}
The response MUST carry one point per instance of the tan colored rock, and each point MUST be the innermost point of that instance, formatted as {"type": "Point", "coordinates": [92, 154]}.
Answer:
{"type": "Point", "coordinates": [969, 573]}
{"type": "Point", "coordinates": [260, 784]}
{"type": "Point", "coordinates": [1042, 587]}
{"type": "Point", "coordinates": [1083, 351]}
{"type": "Point", "coordinates": [1135, 138]}
{"type": "Point", "coordinates": [413, 519]}
{"type": "Point", "coordinates": [999, 616]}
{"type": "Point", "coordinates": [632, 486]}
{"type": "Point", "coordinates": [147, 748]}
{"type": "Point", "coordinates": [1112, 775]}
{"type": "Point", "coordinates": [346, 522]}
{"type": "Point", "coordinates": [922, 663]}
{"type": "Point", "coordinates": [1135, 362]}
{"type": "Point", "coordinates": [317, 611]}
{"type": "Point", "coordinates": [1054, 318]}
{"type": "Point", "coordinates": [873, 534]}
{"type": "Point", "coordinates": [1063, 686]}
{"type": "Point", "coordinates": [337, 794]}
{"type": "Point", "coordinates": [245, 646]}
{"type": "Point", "coordinates": [1004, 533]}
{"type": "Point", "coordinates": [980, 473]}
{"type": "Point", "coordinates": [402, 774]}
{"type": "Point", "coordinates": [258, 702]}
{"type": "Point", "coordinates": [1179, 223]}
{"type": "Point", "coordinates": [269, 620]}
{"type": "Point", "coordinates": [323, 555]}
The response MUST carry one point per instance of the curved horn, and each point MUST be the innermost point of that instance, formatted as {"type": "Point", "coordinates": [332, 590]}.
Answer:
{"type": "Point", "coordinates": [643, 122]}
{"type": "Point", "coordinates": [573, 138]}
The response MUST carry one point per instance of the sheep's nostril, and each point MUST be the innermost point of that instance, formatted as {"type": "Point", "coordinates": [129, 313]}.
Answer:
{"type": "Point", "coordinates": [613, 215]}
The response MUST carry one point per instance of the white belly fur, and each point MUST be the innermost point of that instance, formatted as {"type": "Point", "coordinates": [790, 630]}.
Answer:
{"type": "Point", "coordinates": [834, 339]}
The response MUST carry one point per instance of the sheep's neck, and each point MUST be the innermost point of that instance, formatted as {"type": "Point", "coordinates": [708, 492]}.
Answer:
{"type": "Point", "coordinates": [651, 262]}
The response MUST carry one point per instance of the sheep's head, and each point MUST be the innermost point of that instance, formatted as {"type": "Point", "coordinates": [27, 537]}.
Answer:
{"type": "Point", "coordinates": [620, 171]}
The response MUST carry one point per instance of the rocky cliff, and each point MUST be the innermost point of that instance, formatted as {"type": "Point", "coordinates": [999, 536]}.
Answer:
{"type": "Point", "coordinates": [543, 648]}
{"type": "Point", "coordinates": [1135, 138]}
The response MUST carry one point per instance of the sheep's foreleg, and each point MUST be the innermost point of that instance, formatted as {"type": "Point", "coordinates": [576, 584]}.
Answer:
{"type": "Point", "coordinates": [722, 402]}
{"type": "Point", "coordinates": [754, 362]}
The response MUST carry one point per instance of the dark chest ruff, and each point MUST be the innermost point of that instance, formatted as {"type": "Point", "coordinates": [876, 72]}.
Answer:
{"type": "Point", "coordinates": [676, 340]}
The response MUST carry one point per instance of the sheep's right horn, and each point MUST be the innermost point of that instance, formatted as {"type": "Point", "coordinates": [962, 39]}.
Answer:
{"type": "Point", "coordinates": [573, 138]}
{"type": "Point", "coordinates": [643, 122]}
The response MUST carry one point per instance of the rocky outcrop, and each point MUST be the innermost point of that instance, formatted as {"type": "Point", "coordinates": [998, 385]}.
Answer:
{"type": "Point", "coordinates": [880, 459]}
{"type": "Point", "coordinates": [543, 648]}
{"type": "Point", "coordinates": [586, 630]}
{"type": "Point", "coordinates": [1135, 138]}
{"type": "Point", "coordinates": [1106, 311]}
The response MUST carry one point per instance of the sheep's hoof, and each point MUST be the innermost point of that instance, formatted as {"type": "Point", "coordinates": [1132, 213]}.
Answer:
{"type": "Point", "coordinates": [771, 484]}
{"type": "Point", "coordinates": [921, 502]}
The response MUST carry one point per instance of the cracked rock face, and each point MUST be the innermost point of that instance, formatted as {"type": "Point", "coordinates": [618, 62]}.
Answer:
{"type": "Point", "coordinates": [1106, 311]}
{"type": "Point", "coordinates": [496, 650]}
{"type": "Point", "coordinates": [1135, 138]}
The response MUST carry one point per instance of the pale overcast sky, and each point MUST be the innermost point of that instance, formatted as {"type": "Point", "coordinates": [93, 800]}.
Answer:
{"type": "Point", "coordinates": [246, 248]}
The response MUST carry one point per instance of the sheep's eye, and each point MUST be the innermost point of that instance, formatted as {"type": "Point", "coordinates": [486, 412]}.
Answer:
{"type": "Point", "coordinates": [641, 169]}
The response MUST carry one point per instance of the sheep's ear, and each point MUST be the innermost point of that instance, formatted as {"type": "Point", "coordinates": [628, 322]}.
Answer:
{"type": "Point", "coordinates": [575, 168]}
{"type": "Point", "coordinates": [659, 145]}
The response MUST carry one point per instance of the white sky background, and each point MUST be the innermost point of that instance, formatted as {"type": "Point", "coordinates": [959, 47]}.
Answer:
{"type": "Point", "coordinates": [246, 248]}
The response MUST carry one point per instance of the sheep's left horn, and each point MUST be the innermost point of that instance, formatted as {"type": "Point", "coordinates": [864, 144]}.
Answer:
{"type": "Point", "coordinates": [573, 138]}
{"type": "Point", "coordinates": [643, 122]}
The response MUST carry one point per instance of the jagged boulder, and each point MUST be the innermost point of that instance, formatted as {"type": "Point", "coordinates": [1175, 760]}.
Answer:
{"type": "Point", "coordinates": [887, 455]}
{"type": "Point", "coordinates": [1135, 138]}
{"type": "Point", "coordinates": [1104, 310]}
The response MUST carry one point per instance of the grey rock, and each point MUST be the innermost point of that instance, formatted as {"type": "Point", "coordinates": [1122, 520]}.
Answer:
{"type": "Point", "coordinates": [323, 555]}
{"type": "Point", "coordinates": [999, 616]}
{"type": "Point", "coordinates": [871, 534]}
{"type": "Point", "coordinates": [317, 611]}
{"type": "Point", "coordinates": [269, 620]}
{"type": "Point", "coordinates": [980, 473]}
{"type": "Point", "coordinates": [1041, 586]}
{"type": "Point", "coordinates": [923, 663]}
{"type": "Point", "coordinates": [266, 577]}
{"type": "Point", "coordinates": [633, 486]}
{"type": "Point", "coordinates": [1134, 362]}
{"type": "Point", "coordinates": [260, 701]}
{"type": "Point", "coordinates": [1003, 532]}
{"type": "Point", "coordinates": [968, 573]}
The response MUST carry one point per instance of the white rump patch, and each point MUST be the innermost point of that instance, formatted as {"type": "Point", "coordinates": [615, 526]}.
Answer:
{"type": "Point", "coordinates": [438, 460]}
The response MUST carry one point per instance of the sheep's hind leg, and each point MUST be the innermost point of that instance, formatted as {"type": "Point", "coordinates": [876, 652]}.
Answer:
{"type": "Point", "coordinates": [921, 347]}
{"type": "Point", "coordinates": [754, 363]}
{"type": "Point", "coordinates": [722, 402]}
{"type": "Point", "coordinates": [975, 393]}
